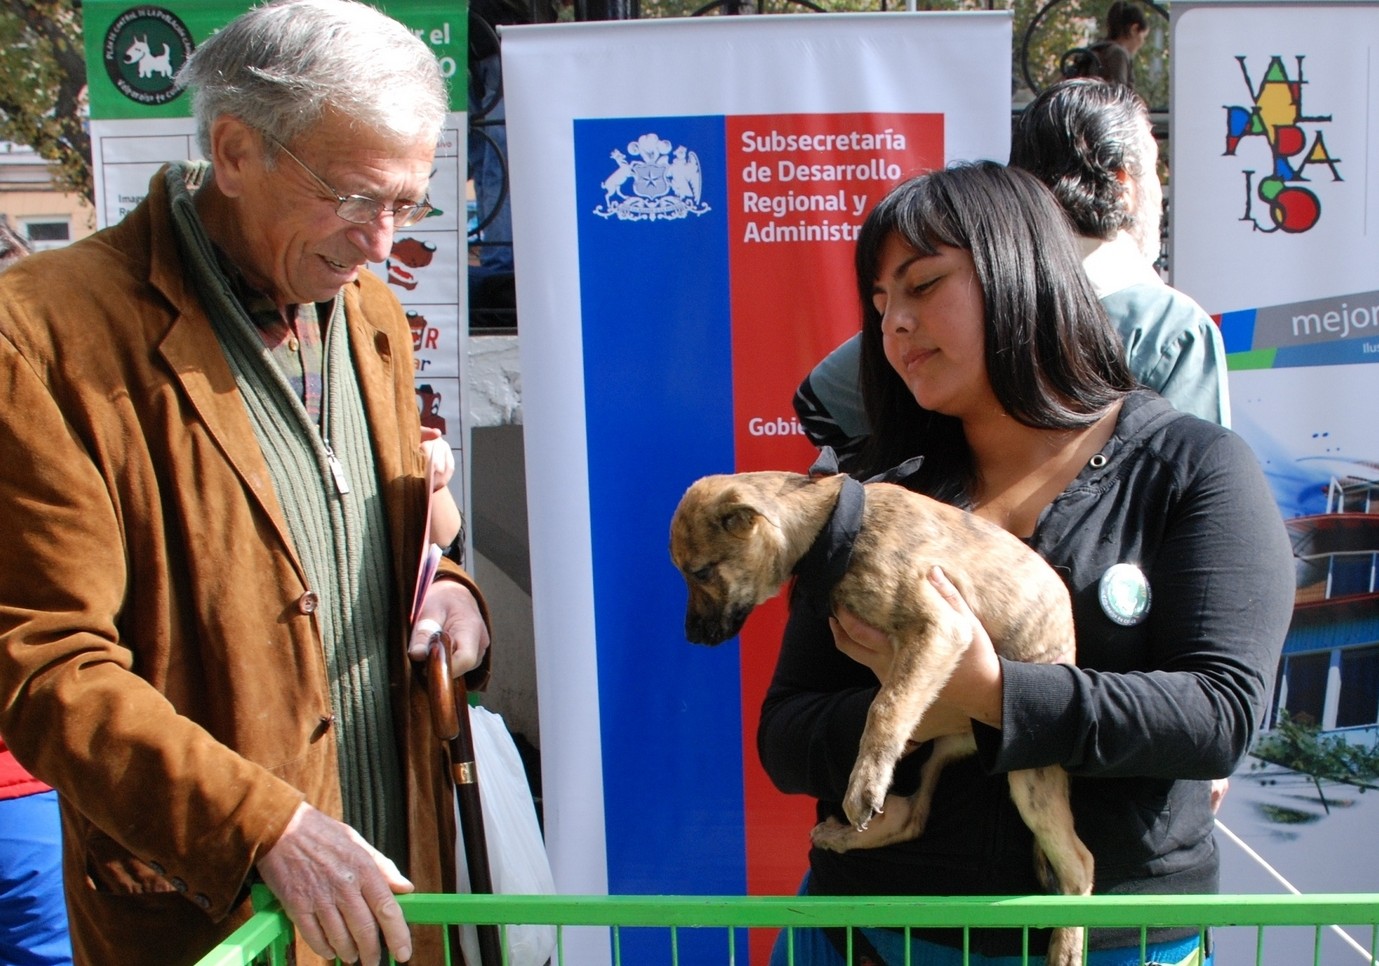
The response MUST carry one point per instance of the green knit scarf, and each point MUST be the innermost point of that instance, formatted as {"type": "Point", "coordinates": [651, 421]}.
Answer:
{"type": "Point", "coordinates": [341, 539]}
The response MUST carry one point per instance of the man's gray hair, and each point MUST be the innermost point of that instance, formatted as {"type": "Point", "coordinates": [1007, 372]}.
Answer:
{"type": "Point", "coordinates": [281, 66]}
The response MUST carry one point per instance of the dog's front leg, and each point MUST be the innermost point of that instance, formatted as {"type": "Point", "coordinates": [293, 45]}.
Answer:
{"type": "Point", "coordinates": [923, 663]}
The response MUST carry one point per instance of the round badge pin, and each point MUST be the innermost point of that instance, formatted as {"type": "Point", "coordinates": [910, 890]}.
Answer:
{"type": "Point", "coordinates": [1124, 593]}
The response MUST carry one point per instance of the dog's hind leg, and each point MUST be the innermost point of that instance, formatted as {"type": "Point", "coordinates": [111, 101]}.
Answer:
{"type": "Point", "coordinates": [1041, 796]}
{"type": "Point", "coordinates": [947, 749]}
{"type": "Point", "coordinates": [903, 817]}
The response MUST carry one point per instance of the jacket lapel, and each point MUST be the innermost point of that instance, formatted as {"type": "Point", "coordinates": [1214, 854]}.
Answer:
{"type": "Point", "coordinates": [197, 363]}
{"type": "Point", "coordinates": [373, 351]}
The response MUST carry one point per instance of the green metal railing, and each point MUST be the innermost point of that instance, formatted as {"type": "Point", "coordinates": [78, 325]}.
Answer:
{"type": "Point", "coordinates": [268, 933]}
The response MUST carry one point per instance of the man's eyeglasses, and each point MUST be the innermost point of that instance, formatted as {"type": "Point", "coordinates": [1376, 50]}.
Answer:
{"type": "Point", "coordinates": [358, 209]}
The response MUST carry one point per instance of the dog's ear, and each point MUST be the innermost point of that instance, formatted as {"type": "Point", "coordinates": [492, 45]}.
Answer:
{"type": "Point", "coordinates": [738, 519]}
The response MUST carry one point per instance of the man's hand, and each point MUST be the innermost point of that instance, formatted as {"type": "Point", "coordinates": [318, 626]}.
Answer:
{"type": "Point", "coordinates": [1219, 787]}
{"type": "Point", "coordinates": [450, 607]}
{"type": "Point", "coordinates": [337, 889]}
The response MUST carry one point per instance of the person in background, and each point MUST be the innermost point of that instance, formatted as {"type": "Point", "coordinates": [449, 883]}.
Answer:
{"type": "Point", "coordinates": [33, 918]}
{"type": "Point", "coordinates": [491, 281]}
{"type": "Point", "coordinates": [1092, 144]}
{"type": "Point", "coordinates": [216, 498]}
{"type": "Point", "coordinates": [1113, 57]}
{"type": "Point", "coordinates": [985, 350]}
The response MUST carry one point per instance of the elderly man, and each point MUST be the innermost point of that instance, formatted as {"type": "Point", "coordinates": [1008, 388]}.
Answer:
{"type": "Point", "coordinates": [1091, 142]}
{"type": "Point", "coordinates": [215, 499]}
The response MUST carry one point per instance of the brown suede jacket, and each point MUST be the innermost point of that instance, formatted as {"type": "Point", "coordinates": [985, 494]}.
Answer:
{"type": "Point", "coordinates": [159, 662]}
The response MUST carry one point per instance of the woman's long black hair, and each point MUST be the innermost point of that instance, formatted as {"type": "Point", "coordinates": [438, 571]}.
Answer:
{"type": "Point", "coordinates": [1053, 358]}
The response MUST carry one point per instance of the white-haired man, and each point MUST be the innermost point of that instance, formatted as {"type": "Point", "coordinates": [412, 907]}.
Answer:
{"type": "Point", "coordinates": [216, 499]}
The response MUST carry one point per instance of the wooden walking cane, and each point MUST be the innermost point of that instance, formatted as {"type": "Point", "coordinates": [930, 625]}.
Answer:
{"type": "Point", "coordinates": [450, 720]}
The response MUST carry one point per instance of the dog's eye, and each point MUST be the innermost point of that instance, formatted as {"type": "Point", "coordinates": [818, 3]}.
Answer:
{"type": "Point", "coordinates": [703, 573]}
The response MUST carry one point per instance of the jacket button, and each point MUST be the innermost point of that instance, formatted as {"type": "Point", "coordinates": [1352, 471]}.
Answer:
{"type": "Point", "coordinates": [322, 726]}
{"type": "Point", "coordinates": [178, 884]}
{"type": "Point", "coordinates": [308, 602]}
{"type": "Point", "coordinates": [157, 868]}
{"type": "Point", "coordinates": [202, 900]}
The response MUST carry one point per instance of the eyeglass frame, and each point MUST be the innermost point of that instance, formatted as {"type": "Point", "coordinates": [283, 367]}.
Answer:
{"type": "Point", "coordinates": [404, 216]}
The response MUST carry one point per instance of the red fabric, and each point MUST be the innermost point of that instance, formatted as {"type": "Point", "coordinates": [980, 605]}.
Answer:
{"type": "Point", "coordinates": [15, 781]}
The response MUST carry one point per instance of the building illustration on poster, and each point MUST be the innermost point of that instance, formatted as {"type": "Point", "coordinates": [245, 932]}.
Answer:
{"type": "Point", "coordinates": [141, 121]}
{"type": "Point", "coordinates": [1273, 233]}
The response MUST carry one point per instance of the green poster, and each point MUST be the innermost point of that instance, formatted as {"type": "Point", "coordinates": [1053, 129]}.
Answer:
{"type": "Point", "coordinates": [134, 50]}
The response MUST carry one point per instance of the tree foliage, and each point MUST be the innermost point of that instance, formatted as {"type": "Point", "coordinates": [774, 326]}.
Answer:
{"type": "Point", "coordinates": [43, 67]}
{"type": "Point", "coordinates": [43, 86]}
{"type": "Point", "coordinates": [1059, 25]}
{"type": "Point", "coordinates": [1297, 743]}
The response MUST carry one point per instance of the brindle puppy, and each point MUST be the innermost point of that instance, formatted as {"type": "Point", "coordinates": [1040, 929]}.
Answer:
{"type": "Point", "coordinates": [736, 538]}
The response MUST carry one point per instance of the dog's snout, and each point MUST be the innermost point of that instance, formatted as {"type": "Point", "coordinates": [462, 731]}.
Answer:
{"type": "Point", "coordinates": [714, 629]}
{"type": "Point", "coordinates": [699, 631]}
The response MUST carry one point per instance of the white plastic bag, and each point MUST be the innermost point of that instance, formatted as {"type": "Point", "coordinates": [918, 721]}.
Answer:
{"type": "Point", "coordinates": [516, 852]}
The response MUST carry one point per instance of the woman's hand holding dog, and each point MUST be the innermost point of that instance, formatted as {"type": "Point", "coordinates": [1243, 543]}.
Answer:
{"type": "Point", "coordinates": [973, 691]}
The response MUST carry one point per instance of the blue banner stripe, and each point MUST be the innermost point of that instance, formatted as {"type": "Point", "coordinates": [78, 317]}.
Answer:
{"type": "Point", "coordinates": [658, 387]}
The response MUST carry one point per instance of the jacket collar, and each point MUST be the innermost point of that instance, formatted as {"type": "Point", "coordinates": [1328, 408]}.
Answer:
{"type": "Point", "coordinates": [1142, 413]}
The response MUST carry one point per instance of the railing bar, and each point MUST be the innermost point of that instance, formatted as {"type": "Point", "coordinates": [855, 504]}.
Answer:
{"type": "Point", "coordinates": [674, 946]}
{"type": "Point", "coordinates": [268, 930]}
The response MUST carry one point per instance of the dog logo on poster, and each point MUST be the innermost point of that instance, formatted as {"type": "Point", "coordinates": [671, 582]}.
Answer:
{"type": "Point", "coordinates": [143, 50]}
{"type": "Point", "coordinates": [1276, 115]}
{"type": "Point", "coordinates": [665, 181]}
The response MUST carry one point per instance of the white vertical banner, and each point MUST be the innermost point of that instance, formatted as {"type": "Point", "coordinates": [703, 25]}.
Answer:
{"type": "Point", "coordinates": [686, 194]}
{"type": "Point", "coordinates": [1275, 229]}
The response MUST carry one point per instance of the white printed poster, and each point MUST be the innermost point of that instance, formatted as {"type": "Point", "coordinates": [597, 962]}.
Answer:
{"type": "Point", "coordinates": [1275, 230]}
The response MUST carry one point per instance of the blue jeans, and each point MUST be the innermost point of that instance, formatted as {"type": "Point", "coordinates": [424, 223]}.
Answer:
{"type": "Point", "coordinates": [812, 948]}
{"type": "Point", "coordinates": [33, 913]}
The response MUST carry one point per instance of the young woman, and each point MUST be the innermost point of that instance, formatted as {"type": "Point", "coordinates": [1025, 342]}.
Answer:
{"type": "Point", "coordinates": [985, 349]}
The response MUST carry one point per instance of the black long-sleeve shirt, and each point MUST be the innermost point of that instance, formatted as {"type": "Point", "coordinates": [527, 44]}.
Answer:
{"type": "Point", "coordinates": [1149, 714]}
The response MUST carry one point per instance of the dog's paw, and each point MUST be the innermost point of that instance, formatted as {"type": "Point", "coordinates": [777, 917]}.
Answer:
{"type": "Point", "coordinates": [864, 801]}
{"type": "Point", "coordinates": [832, 835]}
